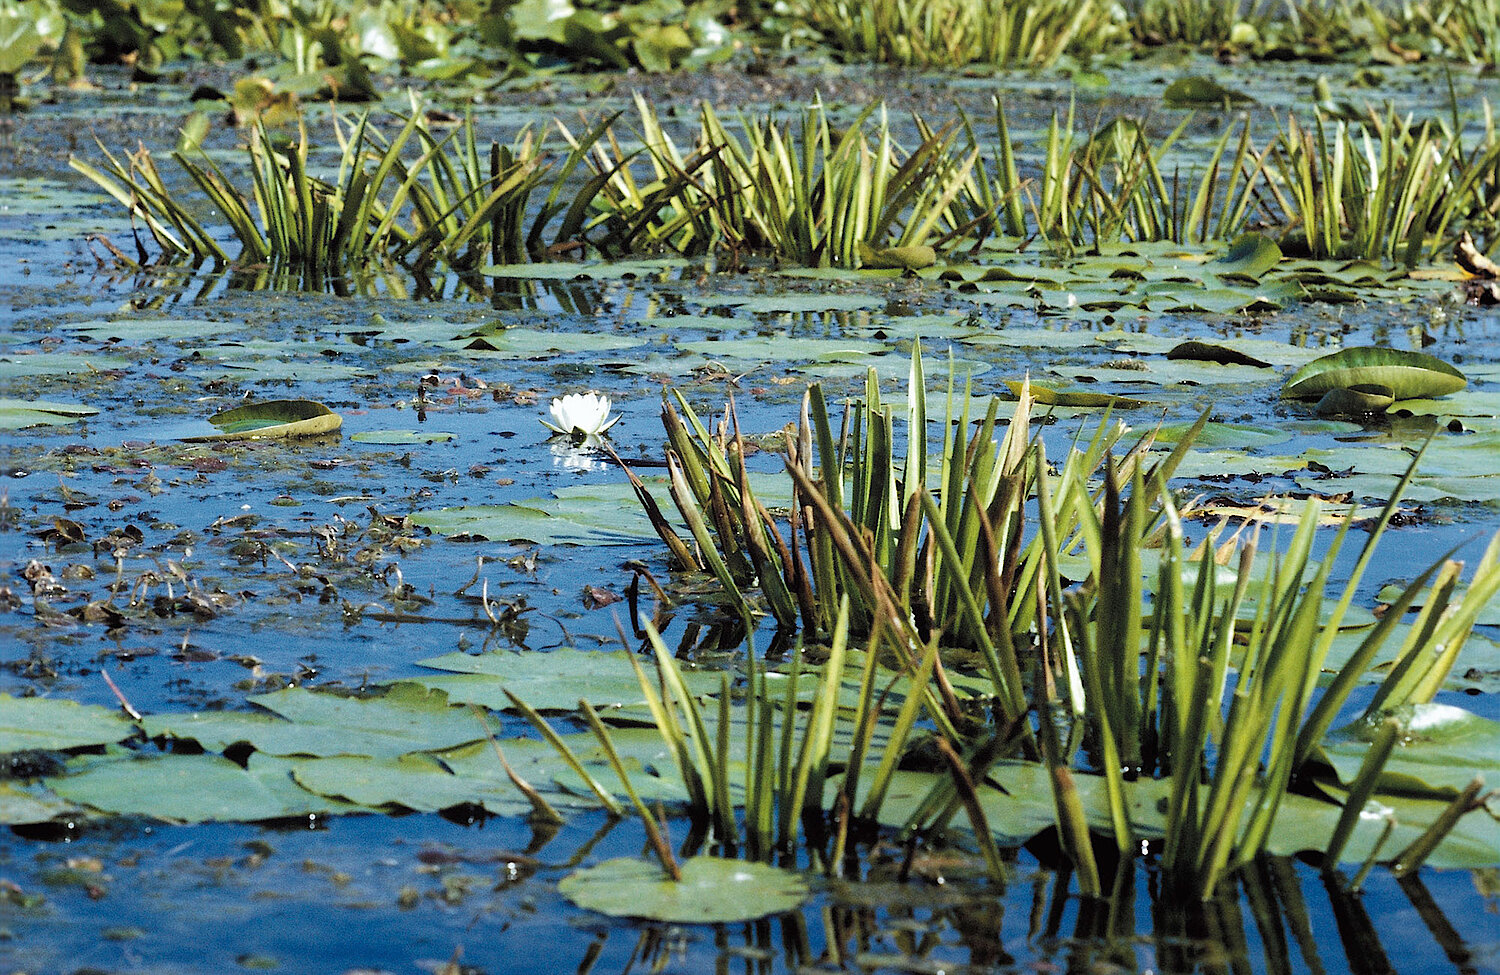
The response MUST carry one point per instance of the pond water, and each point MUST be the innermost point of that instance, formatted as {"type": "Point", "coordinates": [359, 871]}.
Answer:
{"type": "Point", "coordinates": [304, 577]}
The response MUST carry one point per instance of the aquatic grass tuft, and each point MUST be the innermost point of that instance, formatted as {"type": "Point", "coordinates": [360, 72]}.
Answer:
{"type": "Point", "coordinates": [1166, 671]}
{"type": "Point", "coordinates": [955, 33]}
{"type": "Point", "coordinates": [1387, 188]}
{"type": "Point", "coordinates": [415, 197]}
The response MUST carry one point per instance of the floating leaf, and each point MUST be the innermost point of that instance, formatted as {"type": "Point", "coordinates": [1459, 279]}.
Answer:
{"type": "Point", "coordinates": [192, 788]}
{"type": "Point", "coordinates": [1439, 750]}
{"type": "Point", "coordinates": [1355, 400]}
{"type": "Point", "coordinates": [407, 718]}
{"type": "Point", "coordinates": [52, 723]}
{"type": "Point", "coordinates": [529, 343]}
{"type": "Point", "coordinates": [900, 258]}
{"type": "Point", "coordinates": [1284, 511]}
{"type": "Point", "coordinates": [1199, 92]}
{"type": "Point", "coordinates": [18, 806]}
{"type": "Point", "coordinates": [419, 782]}
{"type": "Point", "coordinates": [1408, 375]}
{"type": "Point", "coordinates": [712, 890]}
{"type": "Point", "coordinates": [270, 420]}
{"type": "Point", "coordinates": [19, 38]}
{"type": "Point", "coordinates": [1251, 255]}
{"type": "Point", "coordinates": [17, 414]}
{"type": "Point", "coordinates": [552, 681]}
{"type": "Point", "coordinates": [1052, 397]}
{"type": "Point", "coordinates": [528, 522]}
{"type": "Point", "coordinates": [1211, 352]}
{"type": "Point", "coordinates": [797, 302]}
{"type": "Point", "coordinates": [472, 774]}
{"type": "Point", "coordinates": [1213, 434]}
{"type": "Point", "coordinates": [401, 438]}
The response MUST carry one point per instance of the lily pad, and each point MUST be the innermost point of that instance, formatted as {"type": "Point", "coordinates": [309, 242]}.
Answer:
{"type": "Point", "coordinates": [1408, 375]}
{"type": "Point", "coordinates": [1355, 400]}
{"type": "Point", "coordinates": [17, 414]}
{"type": "Point", "coordinates": [19, 805]}
{"type": "Point", "coordinates": [419, 782]}
{"type": "Point", "coordinates": [192, 788]}
{"type": "Point", "coordinates": [532, 523]}
{"type": "Point", "coordinates": [402, 438]}
{"type": "Point", "coordinates": [552, 681]}
{"type": "Point", "coordinates": [1439, 750]}
{"type": "Point", "coordinates": [51, 723]}
{"type": "Point", "coordinates": [1213, 352]}
{"type": "Point", "coordinates": [516, 342]}
{"type": "Point", "coordinates": [1052, 397]}
{"type": "Point", "coordinates": [270, 420]}
{"type": "Point", "coordinates": [712, 890]}
{"type": "Point", "coordinates": [1250, 255]}
{"type": "Point", "coordinates": [900, 258]}
{"type": "Point", "coordinates": [1200, 92]}
{"type": "Point", "coordinates": [407, 718]}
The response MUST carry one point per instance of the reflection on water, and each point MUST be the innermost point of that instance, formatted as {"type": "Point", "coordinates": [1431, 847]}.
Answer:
{"type": "Point", "coordinates": [411, 894]}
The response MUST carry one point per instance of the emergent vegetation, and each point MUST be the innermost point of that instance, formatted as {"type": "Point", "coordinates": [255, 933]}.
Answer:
{"type": "Point", "coordinates": [810, 193]}
{"type": "Point", "coordinates": [1166, 694]}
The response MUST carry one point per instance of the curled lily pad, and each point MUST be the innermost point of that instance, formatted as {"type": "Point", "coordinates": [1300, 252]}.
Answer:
{"type": "Point", "coordinates": [1408, 375]}
{"type": "Point", "coordinates": [1250, 255]}
{"type": "Point", "coordinates": [271, 419]}
{"type": "Point", "coordinates": [900, 258]}
{"type": "Point", "coordinates": [1355, 400]}
{"type": "Point", "coordinates": [1211, 352]}
{"type": "Point", "coordinates": [712, 890]}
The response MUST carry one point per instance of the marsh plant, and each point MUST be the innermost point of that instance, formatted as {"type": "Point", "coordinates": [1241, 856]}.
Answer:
{"type": "Point", "coordinates": [953, 33]}
{"type": "Point", "coordinates": [804, 190]}
{"type": "Point", "coordinates": [419, 196]}
{"type": "Point", "coordinates": [809, 191]}
{"type": "Point", "coordinates": [1036, 614]}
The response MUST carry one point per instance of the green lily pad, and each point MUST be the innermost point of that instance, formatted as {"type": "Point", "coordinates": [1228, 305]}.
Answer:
{"type": "Point", "coordinates": [591, 271]}
{"type": "Point", "coordinates": [17, 414]}
{"type": "Point", "coordinates": [145, 328]}
{"type": "Point", "coordinates": [781, 349]}
{"type": "Point", "coordinates": [900, 258]}
{"type": "Point", "coordinates": [1303, 823]}
{"type": "Point", "coordinates": [1439, 750]}
{"type": "Point", "coordinates": [1250, 255]}
{"type": "Point", "coordinates": [52, 723]}
{"type": "Point", "coordinates": [19, 39]}
{"type": "Point", "coordinates": [407, 718]}
{"type": "Point", "coordinates": [1052, 397]}
{"type": "Point", "coordinates": [795, 302]}
{"type": "Point", "coordinates": [472, 773]}
{"type": "Point", "coordinates": [531, 523]}
{"type": "Point", "coordinates": [712, 890]}
{"type": "Point", "coordinates": [1355, 400]}
{"type": "Point", "coordinates": [1408, 375]}
{"type": "Point", "coordinates": [1199, 92]}
{"type": "Point", "coordinates": [419, 782]}
{"type": "Point", "coordinates": [1214, 434]}
{"type": "Point", "coordinates": [1213, 352]}
{"type": "Point", "coordinates": [191, 788]}
{"type": "Point", "coordinates": [402, 438]}
{"type": "Point", "coordinates": [20, 805]}
{"type": "Point", "coordinates": [270, 420]}
{"type": "Point", "coordinates": [553, 681]}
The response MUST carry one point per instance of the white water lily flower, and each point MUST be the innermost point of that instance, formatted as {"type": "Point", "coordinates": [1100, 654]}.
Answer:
{"type": "Point", "coordinates": [581, 415]}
